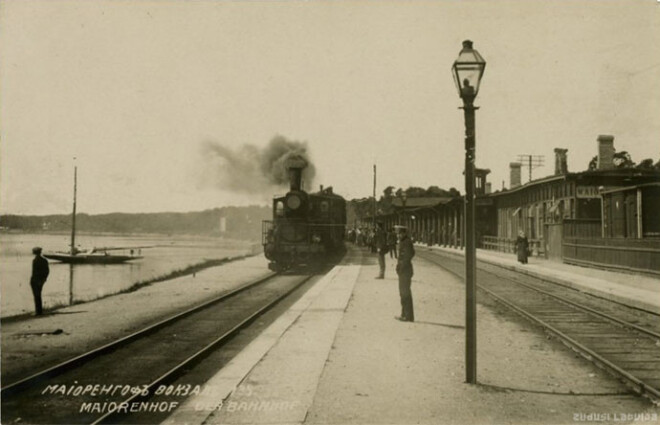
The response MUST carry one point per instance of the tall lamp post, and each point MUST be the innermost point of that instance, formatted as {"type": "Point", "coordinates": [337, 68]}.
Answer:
{"type": "Point", "coordinates": [468, 70]}
{"type": "Point", "coordinates": [375, 202]}
{"type": "Point", "coordinates": [404, 198]}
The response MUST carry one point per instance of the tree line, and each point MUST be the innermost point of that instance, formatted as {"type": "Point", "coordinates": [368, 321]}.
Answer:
{"type": "Point", "coordinates": [623, 159]}
{"type": "Point", "coordinates": [240, 222]}
{"type": "Point", "coordinates": [364, 207]}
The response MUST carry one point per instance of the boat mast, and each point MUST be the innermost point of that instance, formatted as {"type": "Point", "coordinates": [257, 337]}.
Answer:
{"type": "Point", "coordinates": [73, 218]}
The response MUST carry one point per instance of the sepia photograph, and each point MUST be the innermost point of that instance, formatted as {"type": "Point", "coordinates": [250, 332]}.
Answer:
{"type": "Point", "coordinates": [329, 212]}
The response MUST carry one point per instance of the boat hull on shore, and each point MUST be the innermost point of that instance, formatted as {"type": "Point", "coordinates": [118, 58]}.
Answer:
{"type": "Point", "coordinates": [95, 258]}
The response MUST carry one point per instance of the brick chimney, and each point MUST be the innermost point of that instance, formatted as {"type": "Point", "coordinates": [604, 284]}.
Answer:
{"type": "Point", "coordinates": [561, 166]}
{"type": "Point", "coordinates": [605, 152]}
{"type": "Point", "coordinates": [514, 179]}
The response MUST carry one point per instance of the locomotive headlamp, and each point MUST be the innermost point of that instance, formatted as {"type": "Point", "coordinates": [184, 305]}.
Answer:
{"type": "Point", "coordinates": [293, 202]}
{"type": "Point", "coordinates": [279, 209]}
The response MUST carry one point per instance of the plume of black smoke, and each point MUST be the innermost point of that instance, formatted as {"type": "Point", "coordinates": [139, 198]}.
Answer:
{"type": "Point", "coordinates": [252, 170]}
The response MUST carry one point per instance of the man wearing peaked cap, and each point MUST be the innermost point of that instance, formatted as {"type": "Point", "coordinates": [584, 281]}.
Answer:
{"type": "Point", "coordinates": [404, 269]}
{"type": "Point", "coordinates": [40, 271]}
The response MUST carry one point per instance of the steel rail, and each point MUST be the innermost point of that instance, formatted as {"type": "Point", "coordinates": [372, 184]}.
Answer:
{"type": "Point", "coordinates": [638, 385]}
{"type": "Point", "coordinates": [556, 283]}
{"type": "Point", "coordinates": [177, 370]}
{"type": "Point", "coordinates": [581, 306]}
{"type": "Point", "coordinates": [32, 380]}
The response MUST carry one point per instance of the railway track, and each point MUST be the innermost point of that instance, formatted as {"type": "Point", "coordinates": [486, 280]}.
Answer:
{"type": "Point", "coordinates": [622, 341]}
{"type": "Point", "coordinates": [103, 385]}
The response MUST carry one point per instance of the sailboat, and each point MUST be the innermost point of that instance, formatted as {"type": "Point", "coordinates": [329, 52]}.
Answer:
{"type": "Point", "coordinates": [93, 255]}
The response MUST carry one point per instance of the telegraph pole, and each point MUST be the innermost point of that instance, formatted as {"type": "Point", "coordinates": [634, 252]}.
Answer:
{"type": "Point", "coordinates": [374, 196]}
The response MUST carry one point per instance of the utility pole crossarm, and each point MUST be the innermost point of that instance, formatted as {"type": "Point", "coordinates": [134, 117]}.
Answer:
{"type": "Point", "coordinates": [531, 162]}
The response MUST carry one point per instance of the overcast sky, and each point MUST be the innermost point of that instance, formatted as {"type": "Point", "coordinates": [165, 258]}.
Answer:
{"type": "Point", "coordinates": [134, 90]}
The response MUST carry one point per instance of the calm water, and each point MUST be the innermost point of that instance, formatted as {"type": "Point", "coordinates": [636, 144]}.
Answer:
{"type": "Point", "coordinates": [93, 281]}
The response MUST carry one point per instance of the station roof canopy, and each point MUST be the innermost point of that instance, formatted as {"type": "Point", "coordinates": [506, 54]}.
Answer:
{"type": "Point", "coordinates": [416, 203]}
{"type": "Point", "coordinates": [625, 188]}
{"type": "Point", "coordinates": [609, 177]}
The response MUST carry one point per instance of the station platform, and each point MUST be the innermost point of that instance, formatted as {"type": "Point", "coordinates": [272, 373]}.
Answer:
{"type": "Point", "coordinates": [635, 290]}
{"type": "Point", "coordinates": [338, 356]}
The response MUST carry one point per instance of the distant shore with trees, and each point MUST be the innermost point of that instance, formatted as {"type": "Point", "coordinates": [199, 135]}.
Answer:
{"type": "Point", "coordinates": [243, 223]}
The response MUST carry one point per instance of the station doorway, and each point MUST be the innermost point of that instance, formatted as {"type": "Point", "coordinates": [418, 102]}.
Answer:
{"type": "Point", "coordinates": [553, 237]}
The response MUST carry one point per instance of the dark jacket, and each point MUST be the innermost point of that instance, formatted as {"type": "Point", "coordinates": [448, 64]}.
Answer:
{"type": "Point", "coordinates": [406, 253]}
{"type": "Point", "coordinates": [391, 238]}
{"type": "Point", "coordinates": [40, 269]}
{"type": "Point", "coordinates": [381, 241]}
{"type": "Point", "coordinates": [522, 248]}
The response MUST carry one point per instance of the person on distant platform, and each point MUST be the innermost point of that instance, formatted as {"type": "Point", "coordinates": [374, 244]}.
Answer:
{"type": "Point", "coordinates": [522, 247]}
{"type": "Point", "coordinates": [40, 272]}
{"type": "Point", "coordinates": [404, 269]}
{"type": "Point", "coordinates": [391, 243]}
{"type": "Point", "coordinates": [380, 241]}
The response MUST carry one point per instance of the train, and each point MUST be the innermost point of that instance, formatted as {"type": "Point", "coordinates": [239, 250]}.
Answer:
{"type": "Point", "coordinates": [306, 228]}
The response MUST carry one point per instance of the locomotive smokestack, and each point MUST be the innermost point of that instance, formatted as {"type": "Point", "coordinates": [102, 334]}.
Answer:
{"type": "Point", "coordinates": [295, 165]}
{"type": "Point", "coordinates": [295, 175]}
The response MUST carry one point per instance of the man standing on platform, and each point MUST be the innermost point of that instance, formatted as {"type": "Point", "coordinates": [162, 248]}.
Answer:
{"type": "Point", "coordinates": [391, 243]}
{"type": "Point", "coordinates": [40, 272]}
{"type": "Point", "coordinates": [380, 241]}
{"type": "Point", "coordinates": [404, 269]}
{"type": "Point", "coordinates": [522, 247]}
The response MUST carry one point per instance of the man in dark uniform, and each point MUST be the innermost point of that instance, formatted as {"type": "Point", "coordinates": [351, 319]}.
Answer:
{"type": "Point", "coordinates": [40, 272]}
{"type": "Point", "coordinates": [381, 246]}
{"type": "Point", "coordinates": [404, 269]}
{"type": "Point", "coordinates": [391, 243]}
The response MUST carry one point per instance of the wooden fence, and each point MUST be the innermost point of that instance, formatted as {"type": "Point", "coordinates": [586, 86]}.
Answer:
{"type": "Point", "coordinates": [633, 255]}
{"type": "Point", "coordinates": [494, 243]}
{"type": "Point", "coordinates": [582, 228]}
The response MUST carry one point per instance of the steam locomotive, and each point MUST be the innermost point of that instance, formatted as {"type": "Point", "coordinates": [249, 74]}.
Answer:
{"type": "Point", "coordinates": [306, 227]}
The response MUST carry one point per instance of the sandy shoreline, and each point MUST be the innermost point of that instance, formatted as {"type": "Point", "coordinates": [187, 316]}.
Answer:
{"type": "Point", "coordinates": [36, 342]}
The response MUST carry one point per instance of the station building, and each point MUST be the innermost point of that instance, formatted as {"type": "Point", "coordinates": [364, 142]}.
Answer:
{"type": "Point", "coordinates": [571, 203]}
{"type": "Point", "coordinates": [604, 217]}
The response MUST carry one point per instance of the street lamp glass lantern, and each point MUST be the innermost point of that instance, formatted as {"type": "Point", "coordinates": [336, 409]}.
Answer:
{"type": "Point", "coordinates": [468, 70]}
